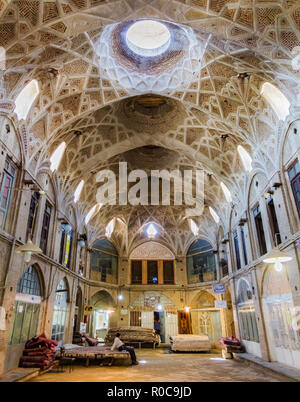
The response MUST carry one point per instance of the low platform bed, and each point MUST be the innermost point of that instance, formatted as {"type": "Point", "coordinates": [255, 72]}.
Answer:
{"type": "Point", "coordinates": [103, 354]}
{"type": "Point", "coordinates": [190, 343]}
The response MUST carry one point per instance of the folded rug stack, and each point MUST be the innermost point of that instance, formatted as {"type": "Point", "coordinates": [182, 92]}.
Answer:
{"type": "Point", "coordinates": [39, 352]}
{"type": "Point", "coordinates": [132, 334]}
{"type": "Point", "coordinates": [190, 343]}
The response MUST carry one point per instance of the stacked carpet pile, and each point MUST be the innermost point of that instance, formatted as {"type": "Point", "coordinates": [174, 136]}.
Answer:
{"type": "Point", "coordinates": [132, 334]}
{"type": "Point", "coordinates": [190, 343]}
{"type": "Point", "coordinates": [39, 352]}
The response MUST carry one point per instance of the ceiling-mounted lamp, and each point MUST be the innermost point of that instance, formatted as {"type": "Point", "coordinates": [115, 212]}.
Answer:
{"type": "Point", "coordinates": [277, 257]}
{"type": "Point", "coordinates": [28, 249]}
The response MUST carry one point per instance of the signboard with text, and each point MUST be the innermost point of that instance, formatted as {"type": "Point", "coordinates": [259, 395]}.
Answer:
{"type": "Point", "coordinates": [220, 304]}
{"type": "Point", "coordinates": [219, 288]}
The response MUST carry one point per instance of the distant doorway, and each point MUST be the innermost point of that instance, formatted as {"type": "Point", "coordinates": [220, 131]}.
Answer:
{"type": "Point", "coordinates": [159, 324]}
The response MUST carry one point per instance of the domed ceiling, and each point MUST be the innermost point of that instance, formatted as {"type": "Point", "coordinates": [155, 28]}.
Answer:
{"type": "Point", "coordinates": [104, 119]}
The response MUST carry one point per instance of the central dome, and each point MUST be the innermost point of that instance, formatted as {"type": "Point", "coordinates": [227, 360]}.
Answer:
{"type": "Point", "coordinates": [148, 37]}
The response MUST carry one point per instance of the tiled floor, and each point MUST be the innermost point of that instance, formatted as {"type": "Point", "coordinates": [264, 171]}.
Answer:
{"type": "Point", "coordinates": [161, 365]}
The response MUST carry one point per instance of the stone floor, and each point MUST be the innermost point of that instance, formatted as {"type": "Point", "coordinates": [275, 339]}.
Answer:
{"type": "Point", "coordinates": [163, 365]}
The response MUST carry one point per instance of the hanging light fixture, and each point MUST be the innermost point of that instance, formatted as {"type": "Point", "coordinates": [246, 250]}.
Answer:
{"type": "Point", "coordinates": [277, 257]}
{"type": "Point", "coordinates": [27, 249]}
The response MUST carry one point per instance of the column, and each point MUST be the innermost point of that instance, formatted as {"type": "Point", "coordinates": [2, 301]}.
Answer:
{"type": "Point", "coordinates": [259, 315]}
{"type": "Point", "coordinates": [144, 272]}
{"type": "Point", "coordinates": [160, 272]}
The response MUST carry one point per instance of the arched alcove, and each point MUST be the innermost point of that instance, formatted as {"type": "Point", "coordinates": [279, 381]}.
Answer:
{"type": "Point", "coordinates": [201, 262]}
{"type": "Point", "coordinates": [247, 317]}
{"type": "Point", "coordinates": [154, 309]}
{"type": "Point", "coordinates": [101, 317]}
{"type": "Point", "coordinates": [280, 317]}
{"type": "Point", "coordinates": [60, 311]}
{"type": "Point", "coordinates": [104, 262]}
{"type": "Point", "coordinates": [27, 306]}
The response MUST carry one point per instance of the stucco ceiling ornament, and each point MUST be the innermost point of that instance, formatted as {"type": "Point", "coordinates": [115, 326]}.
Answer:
{"type": "Point", "coordinates": [173, 65]}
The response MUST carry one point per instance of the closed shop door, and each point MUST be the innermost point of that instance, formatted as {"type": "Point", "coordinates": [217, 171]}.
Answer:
{"type": "Point", "coordinates": [147, 319]}
{"type": "Point", "coordinates": [171, 323]}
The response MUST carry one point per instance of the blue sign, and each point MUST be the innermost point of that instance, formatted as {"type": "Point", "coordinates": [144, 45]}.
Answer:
{"type": "Point", "coordinates": [219, 288]}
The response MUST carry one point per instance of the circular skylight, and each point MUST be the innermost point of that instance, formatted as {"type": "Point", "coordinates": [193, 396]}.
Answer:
{"type": "Point", "coordinates": [148, 37]}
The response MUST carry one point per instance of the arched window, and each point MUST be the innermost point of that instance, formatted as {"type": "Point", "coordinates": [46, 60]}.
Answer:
{"type": "Point", "coordinates": [57, 156]}
{"type": "Point", "coordinates": [200, 262]}
{"type": "Point", "coordinates": [246, 158]}
{"type": "Point", "coordinates": [194, 227]}
{"type": "Point", "coordinates": [110, 228]}
{"type": "Point", "coordinates": [29, 283]}
{"type": "Point", "coordinates": [66, 243]}
{"type": "Point", "coordinates": [226, 192]}
{"type": "Point", "coordinates": [246, 312]}
{"type": "Point", "coordinates": [92, 212]}
{"type": "Point", "coordinates": [104, 262]}
{"type": "Point", "coordinates": [60, 312]}
{"type": "Point", "coordinates": [26, 308]}
{"type": "Point", "coordinates": [78, 191]}
{"type": "Point", "coordinates": [276, 99]}
{"type": "Point", "coordinates": [214, 215]}
{"type": "Point", "coordinates": [26, 99]}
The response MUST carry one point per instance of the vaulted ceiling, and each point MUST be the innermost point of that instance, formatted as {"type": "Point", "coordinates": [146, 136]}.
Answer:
{"type": "Point", "coordinates": [248, 42]}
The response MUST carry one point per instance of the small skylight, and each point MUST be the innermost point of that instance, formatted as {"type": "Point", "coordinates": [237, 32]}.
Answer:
{"type": "Point", "coordinates": [246, 158]}
{"type": "Point", "coordinates": [92, 212]}
{"type": "Point", "coordinates": [226, 192]}
{"type": "Point", "coordinates": [276, 99]}
{"type": "Point", "coordinates": [148, 37]}
{"type": "Point", "coordinates": [57, 156]}
{"type": "Point", "coordinates": [194, 227]}
{"type": "Point", "coordinates": [214, 215]}
{"type": "Point", "coordinates": [151, 231]}
{"type": "Point", "coordinates": [26, 98]}
{"type": "Point", "coordinates": [78, 191]}
{"type": "Point", "coordinates": [110, 228]}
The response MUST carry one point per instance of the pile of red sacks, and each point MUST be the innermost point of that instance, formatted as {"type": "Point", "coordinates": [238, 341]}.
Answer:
{"type": "Point", "coordinates": [39, 352]}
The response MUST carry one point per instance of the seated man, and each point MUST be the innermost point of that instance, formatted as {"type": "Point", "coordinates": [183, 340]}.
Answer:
{"type": "Point", "coordinates": [119, 345]}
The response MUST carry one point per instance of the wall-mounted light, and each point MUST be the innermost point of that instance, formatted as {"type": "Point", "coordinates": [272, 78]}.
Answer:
{"type": "Point", "coordinates": [67, 228]}
{"type": "Point", "coordinates": [187, 309]}
{"type": "Point", "coordinates": [159, 307]}
{"type": "Point", "coordinates": [120, 297]}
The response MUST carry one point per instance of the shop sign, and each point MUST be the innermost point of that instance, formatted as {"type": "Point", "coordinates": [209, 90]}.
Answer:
{"type": "Point", "coordinates": [82, 327]}
{"type": "Point", "coordinates": [219, 288]}
{"type": "Point", "coordinates": [124, 312]}
{"type": "Point", "coordinates": [220, 304]}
